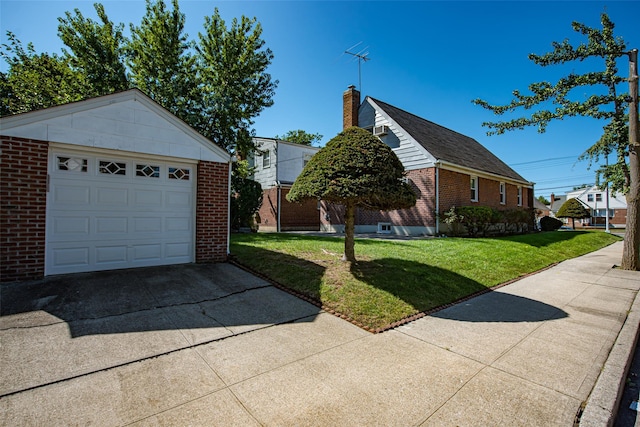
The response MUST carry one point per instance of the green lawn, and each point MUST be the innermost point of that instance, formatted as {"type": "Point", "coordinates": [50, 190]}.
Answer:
{"type": "Point", "coordinates": [394, 279]}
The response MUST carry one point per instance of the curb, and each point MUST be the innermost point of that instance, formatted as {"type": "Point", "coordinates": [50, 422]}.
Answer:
{"type": "Point", "coordinates": [602, 405]}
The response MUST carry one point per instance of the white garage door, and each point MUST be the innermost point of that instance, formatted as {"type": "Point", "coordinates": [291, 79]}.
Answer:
{"type": "Point", "coordinates": [107, 212]}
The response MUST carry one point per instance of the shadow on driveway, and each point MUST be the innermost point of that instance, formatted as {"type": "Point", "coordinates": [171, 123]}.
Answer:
{"type": "Point", "coordinates": [150, 299]}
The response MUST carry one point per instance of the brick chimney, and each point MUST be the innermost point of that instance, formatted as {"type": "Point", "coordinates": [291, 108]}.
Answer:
{"type": "Point", "coordinates": [553, 198]}
{"type": "Point", "coordinates": [350, 105]}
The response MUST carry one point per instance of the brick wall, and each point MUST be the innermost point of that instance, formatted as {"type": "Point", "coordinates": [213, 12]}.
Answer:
{"type": "Point", "coordinates": [23, 204]}
{"type": "Point", "coordinates": [299, 216]}
{"type": "Point", "coordinates": [455, 190]}
{"type": "Point", "coordinates": [212, 207]}
{"type": "Point", "coordinates": [293, 216]}
{"type": "Point", "coordinates": [422, 214]}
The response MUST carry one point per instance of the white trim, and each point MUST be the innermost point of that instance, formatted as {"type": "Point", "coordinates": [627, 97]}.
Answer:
{"type": "Point", "coordinates": [476, 187]}
{"type": "Point", "coordinates": [128, 154]}
{"type": "Point", "coordinates": [503, 193]}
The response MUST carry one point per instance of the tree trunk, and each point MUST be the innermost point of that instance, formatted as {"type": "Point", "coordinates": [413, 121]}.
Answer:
{"type": "Point", "coordinates": [349, 230]}
{"type": "Point", "coordinates": [630, 258]}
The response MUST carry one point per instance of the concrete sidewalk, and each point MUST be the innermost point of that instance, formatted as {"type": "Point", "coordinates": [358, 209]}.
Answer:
{"type": "Point", "coordinates": [212, 345]}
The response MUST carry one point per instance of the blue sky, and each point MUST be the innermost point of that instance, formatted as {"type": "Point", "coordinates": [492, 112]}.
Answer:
{"type": "Point", "coordinates": [428, 58]}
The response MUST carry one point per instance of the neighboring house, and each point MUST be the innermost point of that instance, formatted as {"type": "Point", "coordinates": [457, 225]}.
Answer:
{"type": "Point", "coordinates": [277, 165]}
{"type": "Point", "coordinates": [446, 169]}
{"type": "Point", "coordinates": [595, 200]}
{"type": "Point", "coordinates": [555, 203]}
{"type": "Point", "coordinates": [541, 209]}
{"type": "Point", "coordinates": [107, 183]}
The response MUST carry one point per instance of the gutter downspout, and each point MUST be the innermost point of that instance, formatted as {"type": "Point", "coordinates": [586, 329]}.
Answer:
{"type": "Point", "coordinates": [437, 198]}
{"type": "Point", "coordinates": [231, 160]}
{"type": "Point", "coordinates": [279, 192]}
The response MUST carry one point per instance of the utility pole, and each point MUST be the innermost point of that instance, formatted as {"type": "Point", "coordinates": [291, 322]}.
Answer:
{"type": "Point", "coordinates": [630, 258]}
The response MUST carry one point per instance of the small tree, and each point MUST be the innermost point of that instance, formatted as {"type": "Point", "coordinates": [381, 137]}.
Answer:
{"type": "Point", "coordinates": [543, 200]}
{"type": "Point", "coordinates": [354, 169]}
{"type": "Point", "coordinates": [246, 196]}
{"type": "Point", "coordinates": [573, 209]}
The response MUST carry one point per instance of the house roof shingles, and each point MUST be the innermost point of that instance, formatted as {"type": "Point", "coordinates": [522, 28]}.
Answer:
{"type": "Point", "coordinates": [447, 145]}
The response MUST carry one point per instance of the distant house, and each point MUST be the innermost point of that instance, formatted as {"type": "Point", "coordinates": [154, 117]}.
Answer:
{"type": "Point", "coordinates": [541, 209]}
{"type": "Point", "coordinates": [595, 200]}
{"type": "Point", "coordinates": [277, 165]}
{"type": "Point", "coordinates": [445, 168]}
{"type": "Point", "coordinates": [555, 203]}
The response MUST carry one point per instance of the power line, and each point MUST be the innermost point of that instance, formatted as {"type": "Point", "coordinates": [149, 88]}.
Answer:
{"type": "Point", "coordinates": [545, 160]}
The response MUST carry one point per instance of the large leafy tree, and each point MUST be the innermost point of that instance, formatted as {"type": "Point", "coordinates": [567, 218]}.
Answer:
{"type": "Point", "coordinates": [234, 84]}
{"type": "Point", "coordinates": [301, 137]}
{"type": "Point", "coordinates": [96, 49]}
{"type": "Point", "coordinates": [35, 81]}
{"type": "Point", "coordinates": [159, 58]}
{"type": "Point", "coordinates": [608, 102]}
{"type": "Point", "coordinates": [355, 169]}
{"type": "Point", "coordinates": [573, 209]}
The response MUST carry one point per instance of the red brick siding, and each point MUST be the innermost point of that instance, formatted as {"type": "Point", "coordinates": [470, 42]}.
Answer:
{"type": "Point", "coordinates": [422, 214]}
{"type": "Point", "coordinates": [299, 216]}
{"type": "Point", "coordinates": [269, 209]}
{"type": "Point", "coordinates": [293, 216]}
{"type": "Point", "coordinates": [212, 208]}
{"type": "Point", "coordinates": [23, 208]}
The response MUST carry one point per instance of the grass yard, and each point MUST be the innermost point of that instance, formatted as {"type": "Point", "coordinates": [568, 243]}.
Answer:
{"type": "Point", "coordinates": [395, 279]}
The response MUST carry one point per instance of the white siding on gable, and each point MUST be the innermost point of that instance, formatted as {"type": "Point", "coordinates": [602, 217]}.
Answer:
{"type": "Point", "coordinates": [291, 160]}
{"type": "Point", "coordinates": [127, 123]}
{"type": "Point", "coordinates": [412, 155]}
{"type": "Point", "coordinates": [265, 176]}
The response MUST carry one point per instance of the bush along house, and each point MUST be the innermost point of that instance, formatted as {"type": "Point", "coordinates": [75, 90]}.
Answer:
{"type": "Point", "coordinates": [461, 186]}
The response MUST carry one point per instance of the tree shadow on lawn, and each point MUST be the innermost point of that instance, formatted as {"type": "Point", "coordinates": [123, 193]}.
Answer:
{"type": "Point", "coordinates": [542, 239]}
{"type": "Point", "coordinates": [432, 289]}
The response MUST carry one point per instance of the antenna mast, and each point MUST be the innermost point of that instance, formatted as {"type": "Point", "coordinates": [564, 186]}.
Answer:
{"type": "Point", "coordinates": [362, 57]}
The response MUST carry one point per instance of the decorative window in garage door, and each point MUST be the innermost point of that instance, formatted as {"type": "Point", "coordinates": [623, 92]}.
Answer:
{"type": "Point", "coordinates": [72, 164]}
{"type": "Point", "coordinates": [179, 173]}
{"type": "Point", "coordinates": [148, 170]}
{"type": "Point", "coordinates": [113, 168]}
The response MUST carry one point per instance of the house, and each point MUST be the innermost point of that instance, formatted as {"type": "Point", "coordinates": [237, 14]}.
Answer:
{"type": "Point", "coordinates": [595, 200]}
{"type": "Point", "coordinates": [555, 203]}
{"type": "Point", "coordinates": [445, 168]}
{"type": "Point", "coordinates": [107, 183]}
{"type": "Point", "coordinates": [276, 165]}
{"type": "Point", "coordinates": [540, 209]}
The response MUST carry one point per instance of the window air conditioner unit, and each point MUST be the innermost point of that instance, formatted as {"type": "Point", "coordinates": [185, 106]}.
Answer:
{"type": "Point", "coordinates": [380, 130]}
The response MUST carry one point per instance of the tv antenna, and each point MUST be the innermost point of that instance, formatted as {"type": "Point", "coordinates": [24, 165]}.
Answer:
{"type": "Point", "coordinates": [362, 57]}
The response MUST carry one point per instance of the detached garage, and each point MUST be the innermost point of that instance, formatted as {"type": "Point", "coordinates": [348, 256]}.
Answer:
{"type": "Point", "coordinates": [108, 183]}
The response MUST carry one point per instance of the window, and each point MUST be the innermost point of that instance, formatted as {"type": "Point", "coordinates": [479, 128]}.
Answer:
{"type": "Point", "coordinates": [72, 164]}
{"type": "Point", "coordinates": [589, 197]}
{"type": "Point", "coordinates": [266, 159]}
{"type": "Point", "coordinates": [112, 168]}
{"type": "Point", "coordinates": [148, 171]}
{"type": "Point", "coordinates": [306, 158]}
{"type": "Point", "coordinates": [519, 196]}
{"type": "Point", "coordinates": [474, 188]}
{"type": "Point", "coordinates": [179, 173]}
{"type": "Point", "coordinates": [384, 228]}
{"type": "Point", "coordinates": [503, 195]}
{"type": "Point", "coordinates": [598, 197]}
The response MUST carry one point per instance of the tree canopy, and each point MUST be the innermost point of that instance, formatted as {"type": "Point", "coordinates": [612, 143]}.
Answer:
{"type": "Point", "coordinates": [608, 101]}
{"type": "Point", "coordinates": [300, 136]}
{"type": "Point", "coordinates": [217, 85]}
{"type": "Point", "coordinates": [573, 209]}
{"type": "Point", "coordinates": [354, 169]}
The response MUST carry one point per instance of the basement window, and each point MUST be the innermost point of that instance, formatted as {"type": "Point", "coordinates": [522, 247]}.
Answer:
{"type": "Point", "coordinates": [384, 228]}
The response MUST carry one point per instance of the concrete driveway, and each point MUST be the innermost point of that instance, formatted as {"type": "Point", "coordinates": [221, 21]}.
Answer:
{"type": "Point", "coordinates": [213, 345]}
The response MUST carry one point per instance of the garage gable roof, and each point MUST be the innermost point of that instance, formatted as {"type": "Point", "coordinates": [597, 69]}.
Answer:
{"type": "Point", "coordinates": [129, 121]}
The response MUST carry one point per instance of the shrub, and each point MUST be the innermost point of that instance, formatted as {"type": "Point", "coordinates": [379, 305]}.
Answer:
{"type": "Point", "coordinates": [476, 219]}
{"type": "Point", "coordinates": [550, 224]}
